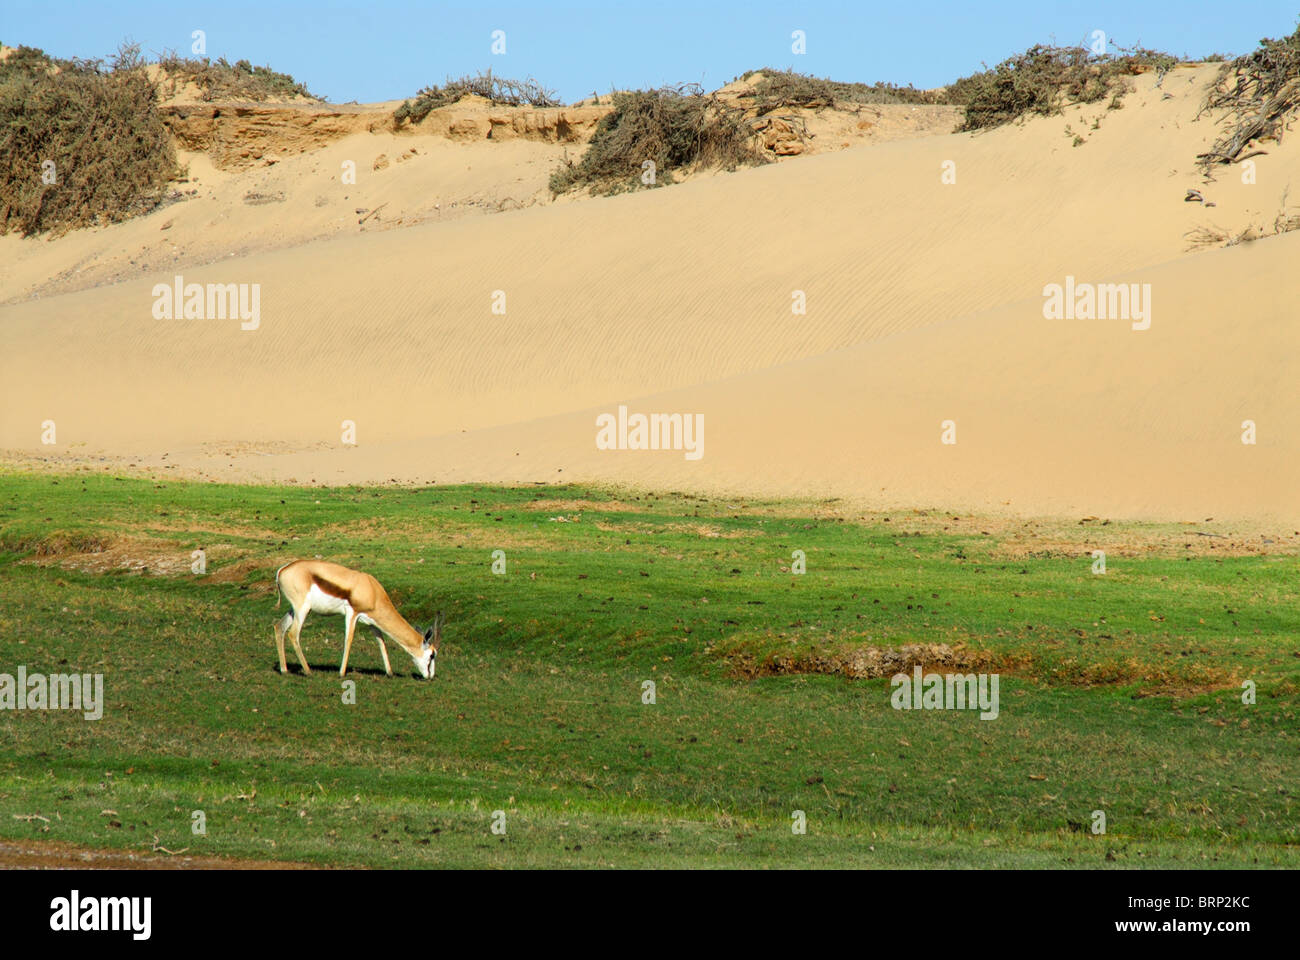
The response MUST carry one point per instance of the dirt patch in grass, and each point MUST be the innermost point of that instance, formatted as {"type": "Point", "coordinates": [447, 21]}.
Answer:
{"type": "Point", "coordinates": [239, 571]}
{"type": "Point", "coordinates": [57, 543]}
{"type": "Point", "coordinates": [372, 529]}
{"type": "Point", "coordinates": [1127, 543]}
{"type": "Point", "coordinates": [867, 661]}
{"type": "Point", "coordinates": [441, 534]}
{"type": "Point", "coordinates": [1158, 678]}
{"type": "Point", "coordinates": [100, 554]}
{"type": "Point", "coordinates": [569, 507]}
{"type": "Point", "coordinates": [54, 855]}
{"type": "Point", "coordinates": [134, 556]}
{"type": "Point", "coordinates": [707, 531]}
{"type": "Point", "coordinates": [486, 537]}
{"type": "Point", "coordinates": [863, 662]}
{"type": "Point", "coordinates": [200, 531]}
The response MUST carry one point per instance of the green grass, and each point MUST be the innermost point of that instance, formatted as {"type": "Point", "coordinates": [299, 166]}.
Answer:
{"type": "Point", "coordinates": [1118, 692]}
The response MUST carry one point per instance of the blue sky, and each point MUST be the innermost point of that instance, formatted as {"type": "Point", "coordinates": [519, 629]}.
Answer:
{"type": "Point", "coordinates": [370, 50]}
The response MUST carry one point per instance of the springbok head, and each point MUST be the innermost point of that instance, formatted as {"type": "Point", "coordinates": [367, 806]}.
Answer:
{"type": "Point", "coordinates": [427, 660]}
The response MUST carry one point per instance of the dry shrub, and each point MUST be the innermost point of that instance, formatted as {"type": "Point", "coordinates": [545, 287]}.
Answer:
{"type": "Point", "coordinates": [101, 128]}
{"type": "Point", "coordinates": [514, 93]}
{"type": "Point", "coordinates": [1258, 91]}
{"type": "Point", "coordinates": [58, 543]}
{"type": "Point", "coordinates": [677, 128]}
{"type": "Point", "coordinates": [859, 662]}
{"type": "Point", "coordinates": [1286, 220]}
{"type": "Point", "coordinates": [1043, 78]}
{"type": "Point", "coordinates": [780, 89]}
{"type": "Point", "coordinates": [222, 80]}
{"type": "Point", "coordinates": [1212, 236]}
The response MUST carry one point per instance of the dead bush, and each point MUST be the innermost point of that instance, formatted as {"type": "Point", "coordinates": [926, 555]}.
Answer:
{"type": "Point", "coordinates": [1043, 78]}
{"type": "Point", "coordinates": [222, 80]}
{"type": "Point", "coordinates": [1259, 91]}
{"type": "Point", "coordinates": [782, 89]}
{"type": "Point", "coordinates": [675, 128]}
{"type": "Point", "coordinates": [514, 93]}
{"type": "Point", "coordinates": [80, 143]}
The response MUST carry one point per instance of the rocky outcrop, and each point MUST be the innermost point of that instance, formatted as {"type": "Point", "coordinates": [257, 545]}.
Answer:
{"type": "Point", "coordinates": [237, 136]}
{"type": "Point", "coordinates": [475, 118]}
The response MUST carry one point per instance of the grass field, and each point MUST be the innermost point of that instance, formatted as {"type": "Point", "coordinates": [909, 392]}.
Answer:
{"type": "Point", "coordinates": [1119, 692]}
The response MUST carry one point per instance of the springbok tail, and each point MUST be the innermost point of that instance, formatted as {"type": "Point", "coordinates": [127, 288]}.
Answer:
{"type": "Point", "coordinates": [277, 585]}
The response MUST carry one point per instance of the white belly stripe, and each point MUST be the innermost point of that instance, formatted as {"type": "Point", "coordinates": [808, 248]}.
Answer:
{"type": "Point", "coordinates": [318, 601]}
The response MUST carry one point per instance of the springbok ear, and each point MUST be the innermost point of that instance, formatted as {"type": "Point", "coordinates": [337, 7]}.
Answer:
{"type": "Point", "coordinates": [428, 636]}
{"type": "Point", "coordinates": [437, 630]}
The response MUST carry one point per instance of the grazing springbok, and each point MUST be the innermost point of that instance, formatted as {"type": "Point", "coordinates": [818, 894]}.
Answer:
{"type": "Point", "coordinates": [317, 586]}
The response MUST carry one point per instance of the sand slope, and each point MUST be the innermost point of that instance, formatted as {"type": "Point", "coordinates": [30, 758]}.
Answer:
{"type": "Point", "coordinates": [271, 176]}
{"type": "Point", "coordinates": [1073, 417]}
{"type": "Point", "coordinates": [923, 304]}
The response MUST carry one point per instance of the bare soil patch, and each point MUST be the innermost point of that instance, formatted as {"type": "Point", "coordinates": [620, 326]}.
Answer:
{"type": "Point", "coordinates": [557, 506]}
{"type": "Point", "coordinates": [106, 554]}
{"type": "Point", "coordinates": [54, 855]}
{"type": "Point", "coordinates": [866, 662]}
{"type": "Point", "coordinates": [708, 531]}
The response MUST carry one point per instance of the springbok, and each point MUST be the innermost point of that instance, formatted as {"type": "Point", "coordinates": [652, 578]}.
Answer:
{"type": "Point", "coordinates": [317, 586]}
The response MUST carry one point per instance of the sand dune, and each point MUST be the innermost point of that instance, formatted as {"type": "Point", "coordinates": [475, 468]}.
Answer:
{"type": "Point", "coordinates": [923, 304]}
{"type": "Point", "coordinates": [1074, 417]}
{"type": "Point", "coordinates": [264, 177]}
